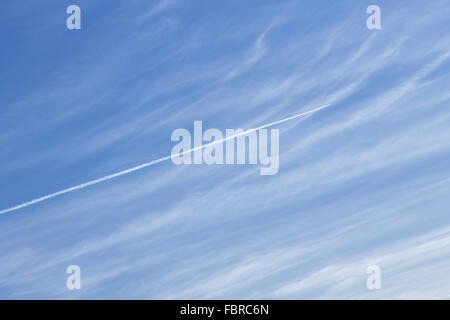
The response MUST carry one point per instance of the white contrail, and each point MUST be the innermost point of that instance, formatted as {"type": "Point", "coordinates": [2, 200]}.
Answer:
{"type": "Point", "coordinates": [147, 164]}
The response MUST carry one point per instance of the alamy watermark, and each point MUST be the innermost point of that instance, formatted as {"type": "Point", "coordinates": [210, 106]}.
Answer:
{"type": "Point", "coordinates": [74, 20]}
{"type": "Point", "coordinates": [373, 22]}
{"type": "Point", "coordinates": [73, 281]}
{"type": "Point", "coordinates": [374, 280]}
{"type": "Point", "coordinates": [236, 146]}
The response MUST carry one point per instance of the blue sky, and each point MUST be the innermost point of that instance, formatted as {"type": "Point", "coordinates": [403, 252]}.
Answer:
{"type": "Point", "coordinates": [364, 182]}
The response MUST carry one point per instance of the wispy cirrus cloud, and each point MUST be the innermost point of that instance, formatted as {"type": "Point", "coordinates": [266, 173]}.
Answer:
{"type": "Point", "coordinates": [366, 183]}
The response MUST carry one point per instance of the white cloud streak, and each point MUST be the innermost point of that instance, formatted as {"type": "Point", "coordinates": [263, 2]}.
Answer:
{"type": "Point", "coordinates": [151, 163]}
